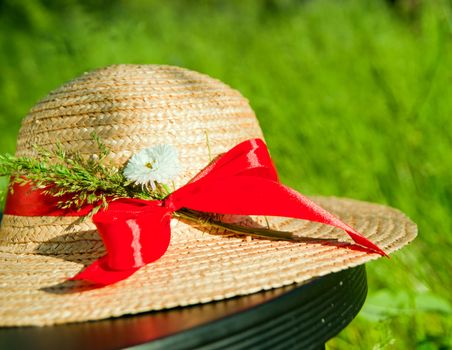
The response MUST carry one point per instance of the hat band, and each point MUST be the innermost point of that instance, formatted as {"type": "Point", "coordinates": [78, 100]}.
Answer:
{"type": "Point", "coordinates": [136, 232]}
{"type": "Point", "coordinates": [25, 200]}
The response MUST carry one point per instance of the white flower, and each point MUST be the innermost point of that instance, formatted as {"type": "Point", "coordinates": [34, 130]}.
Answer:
{"type": "Point", "coordinates": [155, 164]}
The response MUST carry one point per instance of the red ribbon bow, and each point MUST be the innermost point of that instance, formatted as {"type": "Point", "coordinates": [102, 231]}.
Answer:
{"type": "Point", "coordinates": [242, 181]}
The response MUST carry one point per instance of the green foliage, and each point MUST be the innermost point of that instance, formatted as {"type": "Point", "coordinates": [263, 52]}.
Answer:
{"type": "Point", "coordinates": [353, 97]}
{"type": "Point", "coordinates": [77, 180]}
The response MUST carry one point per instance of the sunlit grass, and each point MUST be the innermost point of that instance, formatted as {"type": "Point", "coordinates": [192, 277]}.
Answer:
{"type": "Point", "coordinates": [354, 99]}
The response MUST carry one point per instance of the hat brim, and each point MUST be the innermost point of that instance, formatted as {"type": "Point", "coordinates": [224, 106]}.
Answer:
{"type": "Point", "coordinates": [198, 267]}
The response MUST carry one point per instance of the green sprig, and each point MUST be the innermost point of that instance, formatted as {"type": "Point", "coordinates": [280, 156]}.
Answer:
{"type": "Point", "coordinates": [76, 179]}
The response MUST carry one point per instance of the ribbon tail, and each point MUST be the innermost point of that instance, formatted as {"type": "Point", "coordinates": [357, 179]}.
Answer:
{"type": "Point", "coordinates": [135, 233]}
{"type": "Point", "coordinates": [251, 195]}
{"type": "Point", "coordinates": [318, 214]}
{"type": "Point", "coordinates": [99, 273]}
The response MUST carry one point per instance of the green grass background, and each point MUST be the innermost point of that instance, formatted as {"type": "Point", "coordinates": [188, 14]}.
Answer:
{"type": "Point", "coordinates": [354, 97]}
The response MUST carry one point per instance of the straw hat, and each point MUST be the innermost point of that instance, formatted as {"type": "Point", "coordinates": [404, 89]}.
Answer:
{"type": "Point", "coordinates": [136, 106]}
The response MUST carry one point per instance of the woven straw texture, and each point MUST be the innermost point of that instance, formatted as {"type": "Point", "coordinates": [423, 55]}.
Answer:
{"type": "Point", "coordinates": [132, 107]}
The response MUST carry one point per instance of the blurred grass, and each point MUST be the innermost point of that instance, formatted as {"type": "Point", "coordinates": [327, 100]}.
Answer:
{"type": "Point", "coordinates": [354, 98]}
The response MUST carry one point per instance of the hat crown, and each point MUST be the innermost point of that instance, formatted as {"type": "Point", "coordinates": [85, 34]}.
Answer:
{"type": "Point", "coordinates": [131, 107]}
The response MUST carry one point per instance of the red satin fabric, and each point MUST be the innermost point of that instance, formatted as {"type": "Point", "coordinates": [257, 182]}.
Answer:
{"type": "Point", "coordinates": [135, 232]}
{"type": "Point", "coordinates": [28, 201]}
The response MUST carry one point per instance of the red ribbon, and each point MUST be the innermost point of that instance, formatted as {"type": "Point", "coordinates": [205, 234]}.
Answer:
{"type": "Point", "coordinates": [136, 232]}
